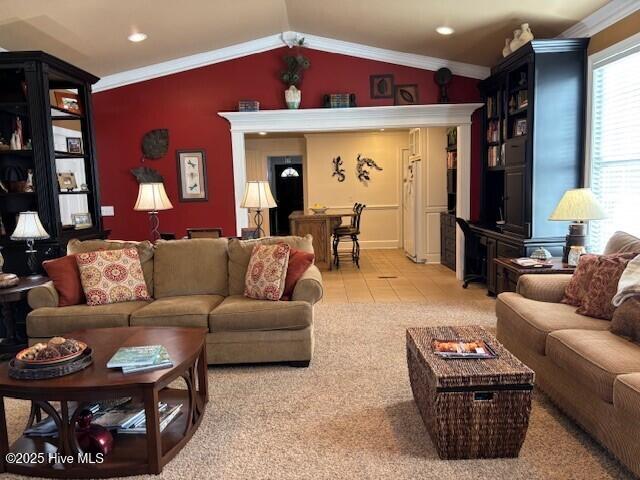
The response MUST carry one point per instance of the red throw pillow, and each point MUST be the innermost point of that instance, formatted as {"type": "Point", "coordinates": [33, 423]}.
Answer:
{"type": "Point", "coordinates": [604, 285]}
{"type": "Point", "coordinates": [65, 275]}
{"type": "Point", "coordinates": [299, 262]}
{"type": "Point", "coordinates": [577, 288]}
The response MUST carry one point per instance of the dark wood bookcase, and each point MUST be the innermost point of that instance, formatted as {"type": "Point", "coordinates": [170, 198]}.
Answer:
{"type": "Point", "coordinates": [32, 85]}
{"type": "Point", "coordinates": [533, 146]}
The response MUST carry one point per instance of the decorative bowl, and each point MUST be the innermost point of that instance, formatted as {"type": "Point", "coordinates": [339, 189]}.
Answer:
{"type": "Point", "coordinates": [21, 356]}
{"type": "Point", "coordinates": [319, 210]}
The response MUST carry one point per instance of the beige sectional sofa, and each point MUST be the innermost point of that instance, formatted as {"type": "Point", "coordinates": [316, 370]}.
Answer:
{"type": "Point", "coordinates": [198, 283]}
{"type": "Point", "coordinates": [592, 374]}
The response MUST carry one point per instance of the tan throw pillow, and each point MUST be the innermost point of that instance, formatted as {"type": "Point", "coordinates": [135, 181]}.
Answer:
{"type": "Point", "coordinates": [267, 272]}
{"type": "Point", "coordinates": [604, 285]}
{"type": "Point", "coordinates": [626, 319]}
{"type": "Point", "coordinates": [112, 276]}
{"type": "Point", "coordinates": [577, 288]}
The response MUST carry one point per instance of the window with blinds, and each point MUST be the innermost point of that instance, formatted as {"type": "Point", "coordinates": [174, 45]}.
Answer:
{"type": "Point", "coordinates": [615, 145]}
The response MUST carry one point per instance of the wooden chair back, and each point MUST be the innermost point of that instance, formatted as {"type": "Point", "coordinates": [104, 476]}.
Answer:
{"type": "Point", "coordinates": [204, 232]}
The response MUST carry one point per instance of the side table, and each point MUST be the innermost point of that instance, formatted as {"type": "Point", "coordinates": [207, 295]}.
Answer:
{"type": "Point", "coordinates": [13, 342]}
{"type": "Point", "coordinates": [508, 272]}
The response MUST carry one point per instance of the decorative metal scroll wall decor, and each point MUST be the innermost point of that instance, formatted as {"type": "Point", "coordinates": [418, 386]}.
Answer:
{"type": "Point", "coordinates": [338, 171]}
{"type": "Point", "coordinates": [363, 174]}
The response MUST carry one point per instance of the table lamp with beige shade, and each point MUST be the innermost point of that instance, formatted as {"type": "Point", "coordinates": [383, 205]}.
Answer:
{"type": "Point", "coordinates": [29, 228]}
{"type": "Point", "coordinates": [257, 196]}
{"type": "Point", "coordinates": [152, 198]}
{"type": "Point", "coordinates": [577, 206]}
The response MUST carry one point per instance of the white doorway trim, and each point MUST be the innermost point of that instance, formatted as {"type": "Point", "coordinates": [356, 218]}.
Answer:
{"type": "Point", "coordinates": [353, 119]}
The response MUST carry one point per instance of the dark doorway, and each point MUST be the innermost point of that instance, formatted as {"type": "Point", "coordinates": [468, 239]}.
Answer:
{"type": "Point", "coordinates": [286, 182]}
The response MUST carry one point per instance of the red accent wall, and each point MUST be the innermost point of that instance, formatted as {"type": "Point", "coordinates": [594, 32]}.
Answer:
{"type": "Point", "coordinates": [187, 104]}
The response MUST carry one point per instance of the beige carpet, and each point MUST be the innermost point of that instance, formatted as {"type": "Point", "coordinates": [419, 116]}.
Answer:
{"type": "Point", "coordinates": [351, 414]}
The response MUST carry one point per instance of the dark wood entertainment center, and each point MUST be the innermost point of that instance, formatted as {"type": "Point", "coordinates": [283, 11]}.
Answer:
{"type": "Point", "coordinates": [532, 148]}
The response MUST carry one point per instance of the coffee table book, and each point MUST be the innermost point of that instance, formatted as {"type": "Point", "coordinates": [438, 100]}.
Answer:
{"type": "Point", "coordinates": [132, 454]}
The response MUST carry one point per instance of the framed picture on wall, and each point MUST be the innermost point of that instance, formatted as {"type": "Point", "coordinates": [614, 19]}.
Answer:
{"type": "Point", "coordinates": [192, 176]}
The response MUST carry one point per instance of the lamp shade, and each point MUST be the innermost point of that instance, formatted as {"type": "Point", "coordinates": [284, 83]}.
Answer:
{"type": "Point", "coordinates": [29, 227]}
{"type": "Point", "coordinates": [257, 194]}
{"type": "Point", "coordinates": [577, 205]}
{"type": "Point", "coordinates": [152, 198]}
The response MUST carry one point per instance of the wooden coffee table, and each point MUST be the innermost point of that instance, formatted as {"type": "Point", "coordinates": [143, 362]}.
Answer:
{"type": "Point", "coordinates": [472, 408]}
{"type": "Point", "coordinates": [131, 454]}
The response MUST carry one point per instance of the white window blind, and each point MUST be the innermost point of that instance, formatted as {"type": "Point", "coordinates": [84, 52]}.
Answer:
{"type": "Point", "coordinates": [615, 146]}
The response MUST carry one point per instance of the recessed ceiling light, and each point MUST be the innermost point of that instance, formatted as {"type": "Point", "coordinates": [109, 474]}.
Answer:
{"type": "Point", "coordinates": [382, 129]}
{"type": "Point", "coordinates": [137, 37]}
{"type": "Point", "coordinates": [444, 30]}
{"type": "Point", "coordinates": [262, 133]}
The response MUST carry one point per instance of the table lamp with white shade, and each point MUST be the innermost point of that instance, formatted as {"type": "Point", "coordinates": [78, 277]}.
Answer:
{"type": "Point", "coordinates": [577, 206]}
{"type": "Point", "coordinates": [29, 228]}
{"type": "Point", "coordinates": [152, 198]}
{"type": "Point", "coordinates": [257, 195]}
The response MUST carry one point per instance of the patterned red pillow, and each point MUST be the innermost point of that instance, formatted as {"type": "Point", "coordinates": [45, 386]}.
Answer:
{"type": "Point", "coordinates": [112, 276]}
{"type": "Point", "coordinates": [267, 272]}
{"type": "Point", "coordinates": [577, 288]}
{"type": "Point", "coordinates": [604, 285]}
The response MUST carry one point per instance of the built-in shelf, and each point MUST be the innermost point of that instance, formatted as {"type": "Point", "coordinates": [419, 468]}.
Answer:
{"type": "Point", "coordinates": [62, 114]}
{"type": "Point", "coordinates": [14, 108]}
{"type": "Point", "coordinates": [517, 88]}
{"type": "Point", "coordinates": [17, 153]}
{"type": "Point", "coordinates": [518, 111]}
{"type": "Point", "coordinates": [59, 154]}
{"type": "Point", "coordinates": [74, 192]}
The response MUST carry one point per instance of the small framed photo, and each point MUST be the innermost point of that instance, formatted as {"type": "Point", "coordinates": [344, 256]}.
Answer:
{"type": "Point", "coordinates": [192, 176]}
{"type": "Point", "coordinates": [381, 86]}
{"type": "Point", "coordinates": [67, 181]}
{"type": "Point", "coordinates": [248, 233]}
{"type": "Point", "coordinates": [81, 220]}
{"type": "Point", "coordinates": [74, 145]}
{"type": "Point", "coordinates": [406, 95]}
{"type": "Point", "coordinates": [68, 101]}
{"type": "Point", "coordinates": [520, 127]}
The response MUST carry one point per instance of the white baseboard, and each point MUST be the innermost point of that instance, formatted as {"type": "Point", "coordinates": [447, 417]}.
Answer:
{"type": "Point", "coordinates": [432, 258]}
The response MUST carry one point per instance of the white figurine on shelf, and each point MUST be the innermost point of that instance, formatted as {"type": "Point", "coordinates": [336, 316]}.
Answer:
{"type": "Point", "coordinates": [29, 185]}
{"type": "Point", "coordinates": [515, 44]}
{"type": "Point", "coordinates": [507, 49]}
{"type": "Point", "coordinates": [527, 35]}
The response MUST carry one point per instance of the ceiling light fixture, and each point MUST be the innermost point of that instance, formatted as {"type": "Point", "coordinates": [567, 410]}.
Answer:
{"type": "Point", "coordinates": [443, 30]}
{"type": "Point", "coordinates": [137, 37]}
{"type": "Point", "coordinates": [262, 133]}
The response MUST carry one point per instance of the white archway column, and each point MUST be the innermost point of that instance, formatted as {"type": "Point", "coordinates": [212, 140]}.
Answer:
{"type": "Point", "coordinates": [463, 191]}
{"type": "Point", "coordinates": [239, 178]}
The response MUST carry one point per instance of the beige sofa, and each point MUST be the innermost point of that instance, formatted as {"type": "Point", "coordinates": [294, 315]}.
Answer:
{"type": "Point", "coordinates": [198, 283]}
{"type": "Point", "coordinates": [590, 373]}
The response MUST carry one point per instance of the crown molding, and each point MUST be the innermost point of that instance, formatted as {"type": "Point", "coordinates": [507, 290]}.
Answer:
{"type": "Point", "coordinates": [423, 62]}
{"type": "Point", "coordinates": [345, 119]}
{"type": "Point", "coordinates": [602, 18]}
{"type": "Point", "coordinates": [189, 62]}
{"type": "Point", "coordinates": [279, 40]}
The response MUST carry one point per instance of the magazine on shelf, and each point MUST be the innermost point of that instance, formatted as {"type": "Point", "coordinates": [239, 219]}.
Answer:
{"type": "Point", "coordinates": [167, 414]}
{"type": "Point", "coordinates": [47, 427]}
{"type": "Point", "coordinates": [478, 349]}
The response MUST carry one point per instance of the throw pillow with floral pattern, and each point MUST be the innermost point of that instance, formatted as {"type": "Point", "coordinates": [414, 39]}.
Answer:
{"type": "Point", "coordinates": [267, 272]}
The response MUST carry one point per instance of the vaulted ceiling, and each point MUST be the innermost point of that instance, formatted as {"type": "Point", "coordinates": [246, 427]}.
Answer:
{"type": "Point", "coordinates": [93, 33]}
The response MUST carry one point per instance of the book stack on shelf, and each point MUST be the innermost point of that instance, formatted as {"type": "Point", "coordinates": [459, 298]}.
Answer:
{"type": "Point", "coordinates": [494, 159]}
{"type": "Point", "coordinates": [144, 358]}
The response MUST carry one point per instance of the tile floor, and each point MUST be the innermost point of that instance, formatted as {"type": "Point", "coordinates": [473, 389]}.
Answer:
{"type": "Point", "coordinates": [389, 276]}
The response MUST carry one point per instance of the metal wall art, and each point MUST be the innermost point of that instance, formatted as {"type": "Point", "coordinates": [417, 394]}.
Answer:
{"type": "Point", "coordinates": [338, 171]}
{"type": "Point", "coordinates": [363, 174]}
{"type": "Point", "coordinates": [147, 175]}
{"type": "Point", "coordinates": [155, 144]}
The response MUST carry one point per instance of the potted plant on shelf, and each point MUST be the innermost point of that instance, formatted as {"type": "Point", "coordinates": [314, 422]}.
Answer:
{"type": "Point", "coordinates": [292, 75]}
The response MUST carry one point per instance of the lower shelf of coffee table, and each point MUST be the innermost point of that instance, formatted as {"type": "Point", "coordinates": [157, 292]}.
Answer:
{"type": "Point", "coordinates": [128, 457]}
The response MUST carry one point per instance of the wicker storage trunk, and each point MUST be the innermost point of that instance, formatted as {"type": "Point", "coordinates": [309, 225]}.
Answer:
{"type": "Point", "coordinates": [471, 408]}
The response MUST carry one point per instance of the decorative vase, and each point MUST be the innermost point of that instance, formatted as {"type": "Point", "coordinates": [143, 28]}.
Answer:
{"type": "Point", "coordinates": [515, 43]}
{"type": "Point", "coordinates": [93, 438]}
{"type": "Point", "coordinates": [292, 96]}
{"type": "Point", "coordinates": [526, 35]}
{"type": "Point", "coordinates": [507, 49]}
{"type": "Point", "coordinates": [575, 253]}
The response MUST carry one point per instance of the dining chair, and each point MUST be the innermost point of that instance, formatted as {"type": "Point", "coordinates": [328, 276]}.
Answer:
{"type": "Point", "coordinates": [350, 232]}
{"type": "Point", "coordinates": [204, 232]}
